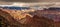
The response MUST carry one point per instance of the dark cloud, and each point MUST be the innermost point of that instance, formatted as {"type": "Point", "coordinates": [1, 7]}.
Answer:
{"type": "Point", "coordinates": [20, 0]}
{"type": "Point", "coordinates": [31, 0]}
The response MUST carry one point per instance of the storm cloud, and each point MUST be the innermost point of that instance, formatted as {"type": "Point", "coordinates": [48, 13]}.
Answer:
{"type": "Point", "coordinates": [31, 0]}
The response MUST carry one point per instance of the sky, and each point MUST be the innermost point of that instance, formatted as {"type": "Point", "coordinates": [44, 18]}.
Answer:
{"type": "Point", "coordinates": [31, 0]}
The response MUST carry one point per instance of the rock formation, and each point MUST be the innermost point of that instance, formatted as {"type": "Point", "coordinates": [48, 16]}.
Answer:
{"type": "Point", "coordinates": [27, 21]}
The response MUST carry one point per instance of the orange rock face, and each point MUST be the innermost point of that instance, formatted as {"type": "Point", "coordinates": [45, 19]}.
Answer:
{"type": "Point", "coordinates": [36, 21]}
{"type": "Point", "coordinates": [20, 19]}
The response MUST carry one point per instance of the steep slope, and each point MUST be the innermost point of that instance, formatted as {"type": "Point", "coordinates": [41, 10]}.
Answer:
{"type": "Point", "coordinates": [27, 21]}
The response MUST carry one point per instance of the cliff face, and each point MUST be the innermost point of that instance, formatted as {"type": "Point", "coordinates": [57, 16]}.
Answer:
{"type": "Point", "coordinates": [51, 14]}
{"type": "Point", "coordinates": [37, 21]}
{"type": "Point", "coordinates": [27, 21]}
